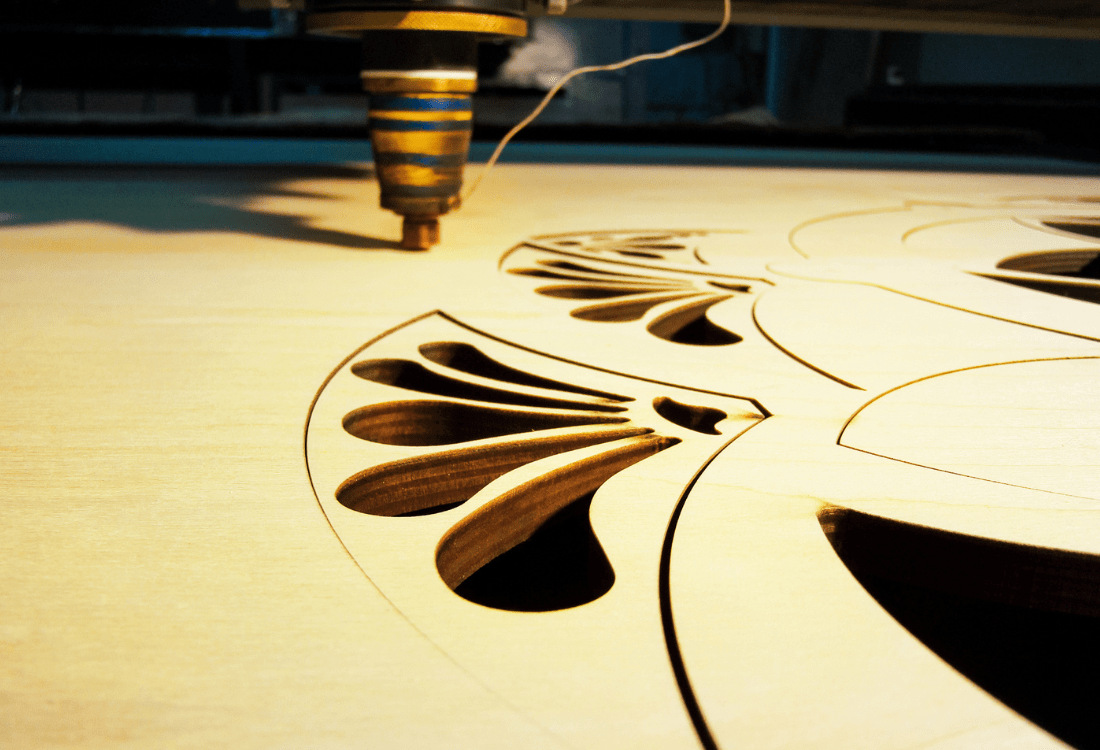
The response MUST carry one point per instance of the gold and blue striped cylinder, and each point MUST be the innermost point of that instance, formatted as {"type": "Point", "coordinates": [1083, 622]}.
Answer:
{"type": "Point", "coordinates": [420, 143]}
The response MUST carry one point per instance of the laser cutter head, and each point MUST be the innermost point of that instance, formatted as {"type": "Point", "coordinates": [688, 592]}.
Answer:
{"type": "Point", "coordinates": [420, 70]}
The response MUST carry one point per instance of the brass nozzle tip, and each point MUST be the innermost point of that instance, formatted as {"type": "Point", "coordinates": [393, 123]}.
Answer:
{"type": "Point", "coordinates": [419, 232]}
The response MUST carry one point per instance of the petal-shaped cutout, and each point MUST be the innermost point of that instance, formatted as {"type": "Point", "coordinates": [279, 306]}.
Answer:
{"type": "Point", "coordinates": [1057, 262]}
{"type": "Point", "coordinates": [501, 524]}
{"type": "Point", "coordinates": [690, 325]}
{"type": "Point", "coordinates": [561, 565]}
{"type": "Point", "coordinates": [1010, 617]}
{"type": "Point", "coordinates": [698, 418]}
{"type": "Point", "coordinates": [542, 273]}
{"type": "Point", "coordinates": [1084, 228]}
{"type": "Point", "coordinates": [570, 266]}
{"type": "Point", "coordinates": [440, 480]}
{"type": "Point", "coordinates": [1083, 290]}
{"type": "Point", "coordinates": [470, 360]}
{"type": "Point", "coordinates": [448, 422]}
{"type": "Point", "coordinates": [626, 310]}
{"type": "Point", "coordinates": [593, 291]}
{"type": "Point", "coordinates": [413, 376]}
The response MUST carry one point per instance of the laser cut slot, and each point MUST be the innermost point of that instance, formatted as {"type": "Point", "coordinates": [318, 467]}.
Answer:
{"type": "Point", "coordinates": [591, 291]}
{"type": "Point", "coordinates": [701, 419]}
{"type": "Point", "coordinates": [1056, 262]}
{"type": "Point", "coordinates": [1085, 229]}
{"type": "Point", "coordinates": [1008, 616]}
{"type": "Point", "coordinates": [640, 254]}
{"type": "Point", "coordinates": [439, 481]}
{"type": "Point", "coordinates": [625, 311]}
{"type": "Point", "coordinates": [1084, 292]}
{"type": "Point", "coordinates": [561, 565]}
{"type": "Point", "coordinates": [424, 423]}
{"type": "Point", "coordinates": [472, 361]}
{"type": "Point", "coordinates": [690, 325]}
{"type": "Point", "coordinates": [653, 246]}
{"type": "Point", "coordinates": [743, 288]}
{"type": "Point", "coordinates": [593, 278]}
{"type": "Point", "coordinates": [566, 265]}
{"type": "Point", "coordinates": [512, 518]}
{"type": "Point", "coordinates": [413, 376]}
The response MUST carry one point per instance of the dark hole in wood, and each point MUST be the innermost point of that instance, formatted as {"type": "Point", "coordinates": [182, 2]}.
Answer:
{"type": "Point", "coordinates": [623, 311]}
{"type": "Point", "coordinates": [692, 326]}
{"type": "Point", "coordinates": [1051, 286]}
{"type": "Point", "coordinates": [1086, 229]}
{"type": "Point", "coordinates": [591, 292]}
{"type": "Point", "coordinates": [564, 265]}
{"type": "Point", "coordinates": [745, 288]}
{"type": "Point", "coordinates": [424, 423]}
{"type": "Point", "coordinates": [1021, 622]}
{"type": "Point", "coordinates": [561, 565]}
{"type": "Point", "coordinates": [472, 361]}
{"type": "Point", "coordinates": [698, 418]}
{"type": "Point", "coordinates": [413, 376]}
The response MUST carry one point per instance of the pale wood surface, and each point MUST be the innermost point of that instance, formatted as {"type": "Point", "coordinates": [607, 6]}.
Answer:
{"type": "Point", "coordinates": [172, 580]}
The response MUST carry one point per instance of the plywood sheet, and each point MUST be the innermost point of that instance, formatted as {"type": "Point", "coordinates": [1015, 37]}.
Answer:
{"type": "Point", "coordinates": [624, 462]}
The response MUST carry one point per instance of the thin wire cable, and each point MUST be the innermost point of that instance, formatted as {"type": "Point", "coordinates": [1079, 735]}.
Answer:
{"type": "Point", "coordinates": [593, 69]}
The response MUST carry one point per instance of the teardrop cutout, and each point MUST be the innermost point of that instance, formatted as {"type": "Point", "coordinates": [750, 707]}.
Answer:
{"type": "Point", "coordinates": [413, 376]}
{"type": "Point", "coordinates": [560, 566]}
{"type": "Point", "coordinates": [472, 361]}
{"type": "Point", "coordinates": [690, 325]}
{"type": "Point", "coordinates": [424, 423]}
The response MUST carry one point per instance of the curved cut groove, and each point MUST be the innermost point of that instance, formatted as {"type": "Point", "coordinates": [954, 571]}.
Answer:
{"type": "Point", "coordinates": [625, 311]}
{"type": "Point", "coordinates": [1007, 616]}
{"type": "Point", "coordinates": [512, 518]}
{"type": "Point", "coordinates": [560, 566]}
{"type": "Point", "coordinates": [690, 325]}
{"type": "Point", "coordinates": [472, 361]}
{"type": "Point", "coordinates": [592, 278]}
{"type": "Point", "coordinates": [1055, 262]}
{"type": "Point", "coordinates": [443, 480]}
{"type": "Point", "coordinates": [1078, 290]}
{"type": "Point", "coordinates": [743, 288]}
{"type": "Point", "coordinates": [593, 291]}
{"type": "Point", "coordinates": [1085, 229]}
{"type": "Point", "coordinates": [413, 376]}
{"type": "Point", "coordinates": [641, 254]}
{"type": "Point", "coordinates": [655, 246]}
{"type": "Point", "coordinates": [446, 422]}
{"type": "Point", "coordinates": [701, 419]}
{"type": "Point", "coordinates": [565, 265]}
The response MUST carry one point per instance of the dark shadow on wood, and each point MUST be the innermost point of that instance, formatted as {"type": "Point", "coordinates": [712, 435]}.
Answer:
{"type": "Point", "coordinates": [178, 199]}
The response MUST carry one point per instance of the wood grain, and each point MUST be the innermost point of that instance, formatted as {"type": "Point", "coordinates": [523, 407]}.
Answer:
{"type": "Point", "coordinates": [197, 361]}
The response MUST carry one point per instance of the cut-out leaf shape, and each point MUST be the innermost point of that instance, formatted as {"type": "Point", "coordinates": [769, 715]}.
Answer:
{"type": "Point", "coordinates": [690, 325]}
{"type": "Point", "coordinates": [1089, 229]}
{"type": "Point", "coordinates": [1082, 290]}
{"type": "Point", "coordinates": [561, 565]}
{"type": "Point", "coordinates": [698, 418]}
{"type": "Point", "coordinates": [512, 518]}
{"type": "Point", "coordinates": [1010, 617]}
{"type": "Point", "coordinates": [452, 477]}
{"type": "Point", "coordinates": [414, 376]}
{"type": "Point", "coordinates": [423, 423]}
{"type": "Point", "coordinates": [627, 310]}
{"type": "Point", "coordinates": [472, 361]}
